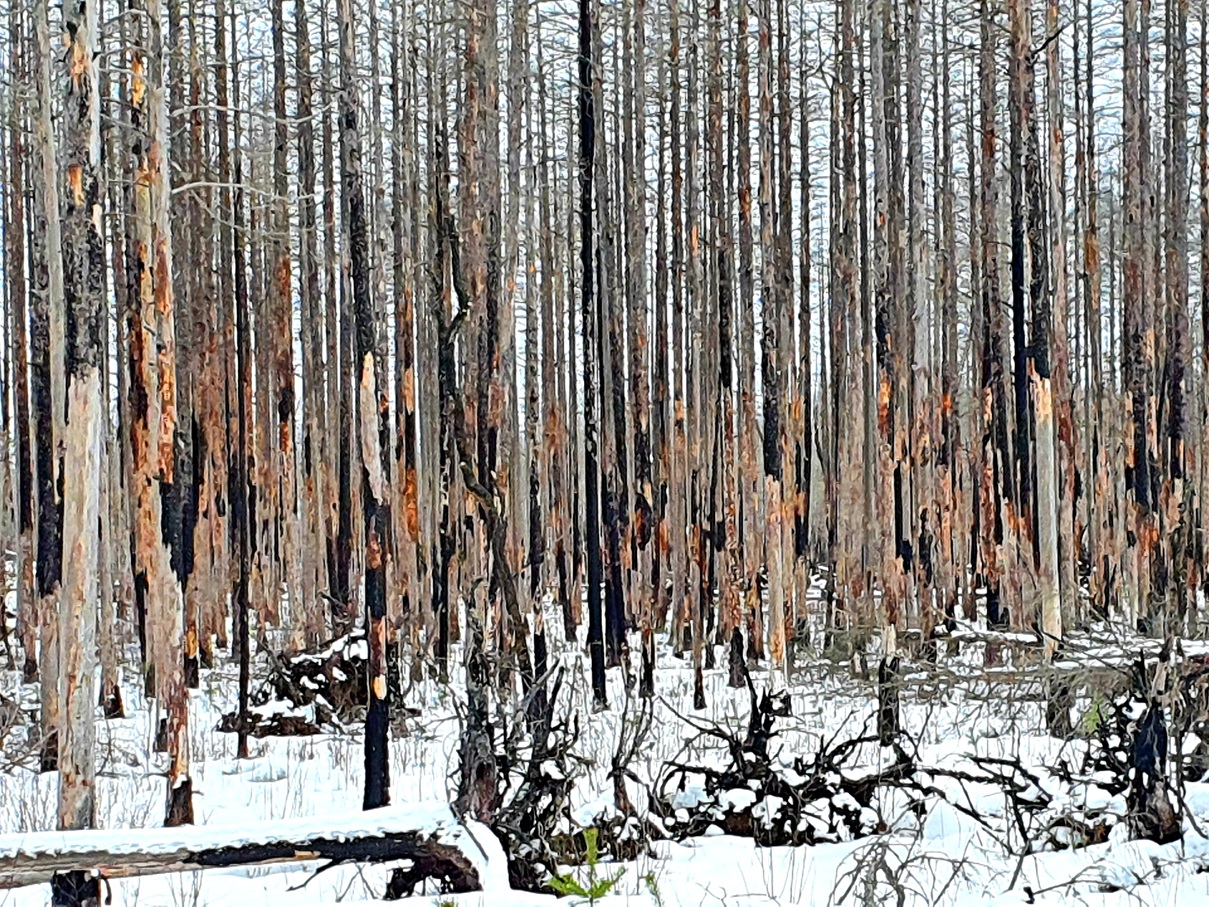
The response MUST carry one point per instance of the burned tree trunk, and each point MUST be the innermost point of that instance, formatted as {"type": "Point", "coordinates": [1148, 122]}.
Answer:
{"type": "Point", "coordinates": [587, 255]}
{"type": "Point", "coordinates": [83, 279]}
{"type": "Point", "coordinates": [994, 464]}
{"type": "Point", "coordinates": [153, 418]}
{"type": "Point", "coordinates": [408, 494]}
{"type": "Point", "coordinates": [281, 348]}
{"type": "Point", "coordinates": [1138, 336]}
{"type": "Point", "coordinates": [18, 320]}
{"type": "Point", "coordinates": [373, 480]}
{"type": "Point", "coordinates": [770, 352]}
{"type": "Point", "coordinates": [45, 327]}
{"type": "Point", "coordinates": [240, 474]}
{"type": "Point", "coordinates": [314, 471]}
{"type": "Point", "coordinates": [1172, 592]}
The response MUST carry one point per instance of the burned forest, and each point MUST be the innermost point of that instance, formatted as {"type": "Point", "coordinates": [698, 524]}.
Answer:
{"type": "Point", "coordinates": [620, 451]}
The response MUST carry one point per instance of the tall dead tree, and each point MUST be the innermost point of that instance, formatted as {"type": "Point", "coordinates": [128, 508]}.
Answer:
{"type": "Point", "coordinates": [45, 339]}
{"type": "Point", "coordinates": [373, 480]}
{"type": "Point", "coordinates": [313, 475]}
{"type": "Point", "coordinates": [152, 388]}
{"type": "Point", "coordinates": [83, 252]}
{"type": "Point", "coordinates": [994, 462]}
{"type": "Point", "coordinates": [1030, 274]}
{"type": "Point", "coordinates": [403, 232]}
{"type": "Point", "coordinates": [588, 308]}
{"type": "Point", "coordinates": [18, 301]}
{"type": "Point", "coordinates": [283, 497]}
{"type": "Point", "coordinates": [771, 377]}
{"type": "Point", "coordinates": [1172, 568]}
{"type": "Point", "coordinates": [1138, 335]}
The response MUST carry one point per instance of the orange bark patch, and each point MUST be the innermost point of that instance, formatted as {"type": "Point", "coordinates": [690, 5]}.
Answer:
{"type": "Point", "coordinates": [411, 510]}
{"type": "Point", "coordinates": [75, 181]}
{"type": "Point", "coordinates": [283, 276]}
{"type": "Point", "coordinates": [167, 377]}
{"type": "Point", "coordinates": [81, 60]}
{"type": "Point", "coordinates": [138, 85]}
{"type": "Point", "coordinates": [409, 389]}
{"type": "Point", "coordinates": [883, 405]}
{"type": "Point", "coordinates": [191, 641]}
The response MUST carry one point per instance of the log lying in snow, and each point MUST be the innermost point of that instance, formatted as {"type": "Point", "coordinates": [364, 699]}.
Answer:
{"type": "Point", "coordinates": [438, 846]}
{"type": "Point", "coordinates": [1103, 647]}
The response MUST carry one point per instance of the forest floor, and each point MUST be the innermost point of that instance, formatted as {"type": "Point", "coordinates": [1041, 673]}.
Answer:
{"type": "Point", "coordinates": [933, 853]}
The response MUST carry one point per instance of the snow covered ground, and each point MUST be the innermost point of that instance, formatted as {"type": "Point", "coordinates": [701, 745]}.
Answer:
{"type": "Point", "coordinates": [945, 858]}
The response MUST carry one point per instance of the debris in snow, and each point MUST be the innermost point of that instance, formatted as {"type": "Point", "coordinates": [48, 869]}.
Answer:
{"type": "Point", "coordinates": [315, 690]}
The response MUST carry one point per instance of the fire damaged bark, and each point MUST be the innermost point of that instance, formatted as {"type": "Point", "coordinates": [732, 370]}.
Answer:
{"type": "Point", "coordinates": [18, 312]}
{"type": "Point", "coordinates": [240, 479]}
{"type": "Point", "coordinates": [442, 851]}
{"type": "Point", "coordinates": [587, 151]}
{"type": "Point", "coordinates": [46, 312]}
{"type": "Point", "coordinates": [1138, 330]}
{"type": "Point", "coordinates": [154, 416]}
{"type": "Point", "coordinates": [375, 498]}
{"type": "Point", "coordinates": [994, 479]}
{"type": "Point", "coordinates": [83, 287]}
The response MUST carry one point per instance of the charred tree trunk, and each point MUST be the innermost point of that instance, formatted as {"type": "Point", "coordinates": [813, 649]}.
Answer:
{"type": "Point", "coordinates": [588, 306]}
{"type": "Point", "coordinates": [154, 421]}
{"type": "Point", "coordinates": [373, 480]}
{"type": "Point", "coordinates": [83, 286]}
{"type": "Point", "coordinates": [46, 312]}
{"type": "Point", "coordinates": [18, 312]}
{"type": "Point", "coordinates": [241, 487]}
{"type": "Point", "coordinates": [994, 462]}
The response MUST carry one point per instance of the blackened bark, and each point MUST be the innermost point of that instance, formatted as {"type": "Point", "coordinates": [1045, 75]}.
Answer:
{"type": "Point", "coordinates": [47, 296]}
{"type": "Point", "coordinates": [241, 526]}
{"type": "Point", "coordinates": [376, 507]}
{"type": "Point", "coordinates": [18, 300]}
{"type": "Point", "coordinates": [587, 151]}
{"type": "Point", "coordinates": [83, 252]}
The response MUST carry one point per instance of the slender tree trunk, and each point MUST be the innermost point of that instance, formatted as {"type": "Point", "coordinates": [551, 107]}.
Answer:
{"type": "Point", "coordinates": [772, 315]}
{"type": "Point", "coordinates": [587, 150]}
{"type": "Point", "coordinates": [1173, 567]}
{"type": "Point", "coordinates": [18, 311]}
{"type": "Point", "coordinates": [154, 425]}
{"type": "Point", "coordinates": [377, 514]}
{"type": "Point", "coordinates": [241, 479]}
{"type": "Point", "coordinates": [749, 470]}
{"type": "Point", "coordinates": [313, 475]}
{"type": "Point", "coordinates": [83, 286]}
{"type": "Point", "coordinates": [45, 342]}
{"type": "Point", "coordinates": [407, 491]}
{"type": "Point", "coordinates": [1203, 193]}
{"type": "Point", "coordinates": [281, 346]}
{"type": "Point", "coordinates": [994, 462]}
{"type": "Point", "coordinates": [1138, 336]}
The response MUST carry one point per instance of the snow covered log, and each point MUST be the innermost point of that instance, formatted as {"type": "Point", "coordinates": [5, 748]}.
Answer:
{"type": "Point", "coordinates": [436, 844]}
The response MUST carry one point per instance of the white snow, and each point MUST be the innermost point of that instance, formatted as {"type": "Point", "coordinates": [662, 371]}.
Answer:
{"type": "Point", "coordinates": [311, 786]}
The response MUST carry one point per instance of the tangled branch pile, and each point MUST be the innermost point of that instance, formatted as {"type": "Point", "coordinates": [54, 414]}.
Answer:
{"type": "Point", "coordinates": [324, 688]}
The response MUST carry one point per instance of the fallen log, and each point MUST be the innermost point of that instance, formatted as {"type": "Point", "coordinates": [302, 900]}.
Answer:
{"type": "Point", "coordinates": [438, 846]}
